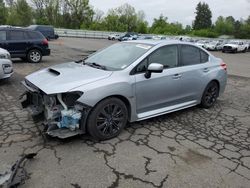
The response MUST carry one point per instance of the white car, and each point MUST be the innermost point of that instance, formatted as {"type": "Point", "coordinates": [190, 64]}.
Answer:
{"type": "Point", "coordinates": [235, 46]}
{"type": "Point", "coordinates": [201, 43]}
{"type": "Point", "coordinates": [6, 68]}
{"type": "Point", "coordinates": [214, 45]}
{"type": "Point", "coordinates": [114, 37]}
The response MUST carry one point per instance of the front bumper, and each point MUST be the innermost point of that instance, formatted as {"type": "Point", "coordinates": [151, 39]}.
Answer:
{"type": "Point", "coordinates": [58, 121]}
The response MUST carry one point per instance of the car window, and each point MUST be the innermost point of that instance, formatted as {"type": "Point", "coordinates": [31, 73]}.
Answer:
{"type": "Point", "coordinates": [35, 35]}
{"type": "Point", "coordinates": [167, 56]}
{"type": "Point", "coordinates": [142, 67]}
{"type": "Point", "coordinates": [17, 35]}
{"type": "Point", "coordinates": [190, 55]}
{"type": "Point", "coordinates": [2, 35]}
{"type": "Point", "coordinates": [204, 56]}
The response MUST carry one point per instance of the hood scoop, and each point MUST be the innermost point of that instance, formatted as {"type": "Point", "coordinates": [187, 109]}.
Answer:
{"type": "Point", "coordinates": [54, 72]}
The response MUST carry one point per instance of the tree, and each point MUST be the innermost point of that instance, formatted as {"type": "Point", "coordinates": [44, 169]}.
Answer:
{"type": "Point", "coordinates": [81, 12]}
{"type": "Point", "coordinates": [159, 25]}
{"type": "Point", "coordinates": [203, 19]}
{"type": "Point", "coordinates": [20, 14]}
{"type": "Point", "coordinates": [127, 16]}
{"type": "Point", "coordinates": [3, 13]}
{"type": "Point", "coordinates": [224, 26]}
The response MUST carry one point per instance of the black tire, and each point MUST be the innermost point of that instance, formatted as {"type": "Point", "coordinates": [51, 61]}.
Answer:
{"type": "Point", "coordinates": [34, 56]}
{"type": "Point", "coordinates": [107, 119]}
{"type": "Point", "coordinates": [210, 95]}
{"type": "Point", "coordinates": [245, 50]}
{"type": "Point", "coordinates": [113, 38]}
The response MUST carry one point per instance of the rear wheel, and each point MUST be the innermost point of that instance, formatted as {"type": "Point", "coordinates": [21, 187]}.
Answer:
{"type": "Point", "coordinates": [210, 95]}
{"type": "Point", "coordinates": [107, 119]}
{"type": "Point", "coordinates": [34, 56]}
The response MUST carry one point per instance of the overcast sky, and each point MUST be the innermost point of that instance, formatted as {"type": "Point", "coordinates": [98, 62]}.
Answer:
{"type": "Point", "coordinates": [179, 10]}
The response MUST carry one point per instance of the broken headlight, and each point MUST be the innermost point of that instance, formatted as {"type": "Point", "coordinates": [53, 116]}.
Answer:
{"type": "Point", "coordinates": [70, 98]}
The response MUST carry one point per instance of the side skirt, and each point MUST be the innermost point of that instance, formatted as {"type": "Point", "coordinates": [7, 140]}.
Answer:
{"type": "Point", "coordinates": [166, 110]}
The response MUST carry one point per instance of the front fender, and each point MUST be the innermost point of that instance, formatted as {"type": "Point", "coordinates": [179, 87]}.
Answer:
{"type": "Point", "coordinates": [97, 91]}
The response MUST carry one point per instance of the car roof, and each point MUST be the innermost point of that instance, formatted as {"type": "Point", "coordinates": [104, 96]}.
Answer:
{"type": "Point", "coordinates": [159, 42]}
{"type": "Point", "coordinates": [8, 28]}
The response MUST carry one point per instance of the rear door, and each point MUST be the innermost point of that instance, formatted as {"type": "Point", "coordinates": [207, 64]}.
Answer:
{"type": "Point", "coordinates": [17, 43]}
{"type": "Point", "coordinates": [194, 70]}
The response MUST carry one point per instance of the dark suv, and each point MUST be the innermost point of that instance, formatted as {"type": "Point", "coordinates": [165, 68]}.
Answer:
{"type": "Point", "coordinates": [47, 31]}
{"type": "Point", "coordinates": [24, 43]}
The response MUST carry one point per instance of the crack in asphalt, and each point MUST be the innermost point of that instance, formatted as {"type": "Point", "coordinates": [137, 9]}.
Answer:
{"type": "Point", "coordinates": [222, 130]}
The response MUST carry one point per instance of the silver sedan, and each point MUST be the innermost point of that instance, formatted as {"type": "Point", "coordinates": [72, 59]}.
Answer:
{"type": "Point", "coordinates": [125, 82]}
{"type": "Point", "coordinates": [6, 69]}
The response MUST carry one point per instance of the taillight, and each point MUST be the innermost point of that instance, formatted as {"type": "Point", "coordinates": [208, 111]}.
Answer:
{"type": "Point", "coordinates": [223, 66]}
{"type": "Point", "coordinates": [45, 42]}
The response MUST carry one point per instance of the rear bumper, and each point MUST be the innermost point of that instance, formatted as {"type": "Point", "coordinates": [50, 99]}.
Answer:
{"type": "Point", "coordinates": [46, 52]}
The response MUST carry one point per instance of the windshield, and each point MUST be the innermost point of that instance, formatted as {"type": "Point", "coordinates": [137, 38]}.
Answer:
{"type": "Point", "coordinates": [118, 56]}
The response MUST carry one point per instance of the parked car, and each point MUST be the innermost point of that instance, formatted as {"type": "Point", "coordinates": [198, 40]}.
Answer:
{"type": "Point", "coordinates": [140, 80]}
{"type": "Point", "coordinates": [235, 46]}
{"type": "Point", "coordinates": [129, 36]}
{"type": "Point", "coordinates": [47, 31]}
{"type": "Point", "coordinates": [201, 43]}
{"type": "Point", "coordinates": [6, 69]}
{"type": "Point", "coordinates": [24, 43]}
{"type": "Point", "coordinates": [214, 45]}
{"type": "Point", "coordinates": [114, 37]}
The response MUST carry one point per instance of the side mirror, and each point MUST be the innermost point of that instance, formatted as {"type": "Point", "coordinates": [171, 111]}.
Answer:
{"type": "Point", "coordinates": [153, 68]}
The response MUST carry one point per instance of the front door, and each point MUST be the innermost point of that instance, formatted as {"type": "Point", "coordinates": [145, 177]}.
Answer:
{"type": "Point", "coordinates": [162, 89]}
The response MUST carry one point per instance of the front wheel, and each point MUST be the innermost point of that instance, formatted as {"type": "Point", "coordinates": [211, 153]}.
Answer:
{"type": "Point", "coordinates": [210, 95]}
{"type": "Point", "coordinates": [107, 119]}
{"type": "Point", "coordinates": [34, 56]}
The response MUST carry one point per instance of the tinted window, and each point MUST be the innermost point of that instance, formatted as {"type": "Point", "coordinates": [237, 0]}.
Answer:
{"type": "Point", "coordinates": [142, 67]}
{"type": "Point", "coordinates": [204, 56]}
{"type": "Point", "coordinates": [17, 35]}
{"type": "Point", "coordinates": [167, 56]}
{"type": "Point", "coordinates": [35, 35]}
{"type": "Point", "coordinates": [190, 55]}
{"type": "Point", "coordinates": [2, 35]}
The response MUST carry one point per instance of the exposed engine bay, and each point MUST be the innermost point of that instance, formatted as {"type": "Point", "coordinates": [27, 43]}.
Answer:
{"type": "Point", "coordinates": [61, 112]}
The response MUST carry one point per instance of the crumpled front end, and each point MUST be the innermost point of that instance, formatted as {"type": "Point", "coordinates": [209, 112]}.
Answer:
{"type": "Point", "coordinates": [62, 114]}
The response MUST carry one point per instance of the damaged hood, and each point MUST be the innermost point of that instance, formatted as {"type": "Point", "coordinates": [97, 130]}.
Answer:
{"type": "Point", "coordinates": [65, 77]}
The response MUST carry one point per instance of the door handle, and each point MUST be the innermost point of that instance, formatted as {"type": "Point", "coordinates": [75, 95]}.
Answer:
{"type": "Point", "coordinates": [206, 70]}
{"type": "Point", "coordinates": [177, 76]}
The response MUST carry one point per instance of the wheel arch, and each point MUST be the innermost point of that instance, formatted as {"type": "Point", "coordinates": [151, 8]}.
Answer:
{"type": "Point", "coordinates": [33, 48]}
{"type": "Point", "coordinates": [217, 82]}
{"type": "Point", "coordinates": [123, 99]}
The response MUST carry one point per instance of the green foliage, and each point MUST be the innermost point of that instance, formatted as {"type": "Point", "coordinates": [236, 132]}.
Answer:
{"type": "Point", "coordinates": [224, 26]}
{"type": "Point", "coordinates": [20, 14]}
{"type": "Point", "coordinates": [77, 14]}
{"type": "Point", "coordinates": [205, 33]}
{"type": "Point", "coordinates": [3, 12]}
{"type": "Point", "coordinates": [161, 26]}
{"type": "Point", "coordinates": [203, 19]}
